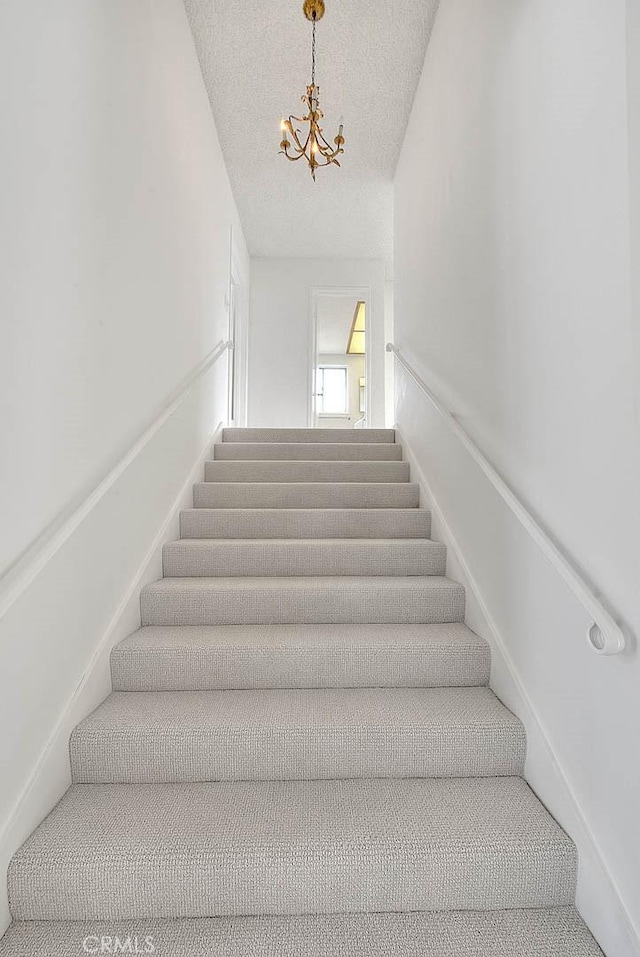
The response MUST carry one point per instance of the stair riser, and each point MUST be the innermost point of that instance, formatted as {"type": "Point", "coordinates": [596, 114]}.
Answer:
{"type": "Point", "coordinates": [367, 604]}
{"type": "Point", "coordinates": [318, 880]}
{"type": "Point", "coordinates": [210, 559]}
{"type": "Point", "coordinates": [304, 666]}
{"type": "Point", "coordinates": [305, 495]}
{"type": "Point", "coordinates": [305, 523]}
{"type": "Point", "coordinates": [357, 436]}
{"type": "Point", "coordinates": [306, 451]}
{"type": "Point", "coordinates": [306, 472]}
{"type": "Point", "coordinates": [521, 933]}
{"type": "Point", "coordinates": [239, 754]}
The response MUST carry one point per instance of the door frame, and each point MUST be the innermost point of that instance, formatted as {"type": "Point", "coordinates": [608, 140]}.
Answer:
{"type": "Point", "coordinates": [238, 333]}
{"type": "Point", "coordinates": [360, 293]}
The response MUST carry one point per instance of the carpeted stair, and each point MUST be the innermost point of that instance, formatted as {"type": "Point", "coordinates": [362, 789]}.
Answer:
{"type": "Point", "coordinates": [301, 756]}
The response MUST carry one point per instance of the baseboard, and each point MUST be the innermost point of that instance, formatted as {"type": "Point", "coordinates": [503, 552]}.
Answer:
{"type": "Point", "coordinates": [51, 774]}
{"type": "Point", "coordinates": [598, 898]}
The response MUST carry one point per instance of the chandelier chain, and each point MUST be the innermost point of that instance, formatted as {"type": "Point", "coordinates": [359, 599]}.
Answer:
{"type": "Point", "coordinates": [313, 53]}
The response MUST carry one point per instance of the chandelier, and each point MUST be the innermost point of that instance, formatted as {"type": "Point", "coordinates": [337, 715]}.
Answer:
{"type": "Point", "coordinates": [313, 146]}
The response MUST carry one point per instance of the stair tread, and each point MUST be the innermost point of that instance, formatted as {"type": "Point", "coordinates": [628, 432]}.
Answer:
{"type": "Point", "coordinates": [275, 636]}
{"type": "Point", "coordinates": [312, 599]}
{"type": "Point", "coordinates": [302, 583]}
{"type": "Point", "coordinates": [323, 451]}
{"type": "Point", "coordinates": [289, 734]}
{"type": "Point", "coordinates": [308, 435]}
{"type": "Point", "coordinates": [243, 523]}
{"type": "Point", "coordinates": [299, 655]}
{"type": "Point", "coordinates": [298, 708]}
{"type": "Point", "coordinates": [305, 544]}
{"type": "Point", "coordinates": [544, 932]}
{"type": "Point", "coordinates": [297, 470]}
{"type": "Point", "coordinates": [306, 494]}
{"type": "Point", "coordinates": [204, 849]}
{"type": "Point", "coordinates": [297, 557]}
{"type": "Point", "coordinates": [213, 815]}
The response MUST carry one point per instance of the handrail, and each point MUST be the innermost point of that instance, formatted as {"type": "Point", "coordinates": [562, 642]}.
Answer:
{"type": "Point", "coordinates": [17, 578]}
{"type": "Point", "coordinates": [604, 635]}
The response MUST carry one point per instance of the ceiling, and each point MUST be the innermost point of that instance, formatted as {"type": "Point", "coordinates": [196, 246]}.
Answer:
{"type": "Point", "coordinates": [255, 59]}
{"type": "Point", "coordinates": [334, 315]}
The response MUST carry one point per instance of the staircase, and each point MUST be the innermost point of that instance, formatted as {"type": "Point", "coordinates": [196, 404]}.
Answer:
{"type": "Point", "coordinates": [301, 756]}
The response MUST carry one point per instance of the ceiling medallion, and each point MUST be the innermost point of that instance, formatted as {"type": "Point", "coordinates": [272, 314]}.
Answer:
{"type": "Point", "coordinates": [315, 149]}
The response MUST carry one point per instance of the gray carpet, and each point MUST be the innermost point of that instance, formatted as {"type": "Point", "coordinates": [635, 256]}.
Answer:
{"type": "Point", "coordinates": [293, 734]}
{"type": "Point", "coordinates": [557, 932]}
{"type": "Point", "coordinates": [314, 436]}
{"type": "Point", "coordinates": [306, 495]}
{"type": "Point", "coordinates": [301, 756]}
{"type": "Point", "coordinates": [324, 451]}
{"type": "Point", "coordinates": [301, 471]}
{"type": "Point", "coordinates": [286, 558]}
{"type": "Point", "coordinates": [303, 523]}
{"type": "Point", "coordinates": [292, 847]}
{"type": "Point", "coordinates": [307, 600]}
{"type": "Point", "coordinates": [218, 657]}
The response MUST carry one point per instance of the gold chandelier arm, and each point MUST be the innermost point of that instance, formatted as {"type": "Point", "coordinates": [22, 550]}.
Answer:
{"type": "Point", "coordinates": [292, 159]}
{"type": "Point", "coordinates": [308, 139]}
{"type": "Point", "coordinates": [329, 160]}
{"type": "Point", "coordinates": [296, 148]}
{"type": "Point", "coordinates": [297, 143]}
{"type": "Point", "coordinates": [294, 135]}
{"type": "Point", "coordinates": [329, 152]}
{"type": "Point", "coordinates": [320, 137]}
{"type": "Point", "coordinates": [328, 157]}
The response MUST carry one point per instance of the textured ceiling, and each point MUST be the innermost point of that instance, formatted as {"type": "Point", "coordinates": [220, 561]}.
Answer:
{"type": "Point", "coordinates": [255, 59]}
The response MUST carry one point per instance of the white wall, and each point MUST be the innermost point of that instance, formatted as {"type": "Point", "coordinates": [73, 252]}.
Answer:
{"type": "Point", "coordinates": [281, 335]}
{"type": "Point", "coordinates": [633, 109]}
{"type": "Point", "coordinates": [116, 224]}
{"type": "Point", "coordinates": [512, 295]}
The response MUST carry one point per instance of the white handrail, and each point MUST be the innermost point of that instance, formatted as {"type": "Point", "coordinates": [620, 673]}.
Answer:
{"type": "Point", "coordinates": [17, 578]}
{"type": "Point", "coordinates": [604, 635]}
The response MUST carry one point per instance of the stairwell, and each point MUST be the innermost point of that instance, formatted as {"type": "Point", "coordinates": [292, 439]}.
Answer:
{"type": "Point", "coordinates": [301, 754]}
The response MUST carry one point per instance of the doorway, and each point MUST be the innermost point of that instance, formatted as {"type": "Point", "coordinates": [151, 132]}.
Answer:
{"type": "Point", "coordinates": [339, 374]}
